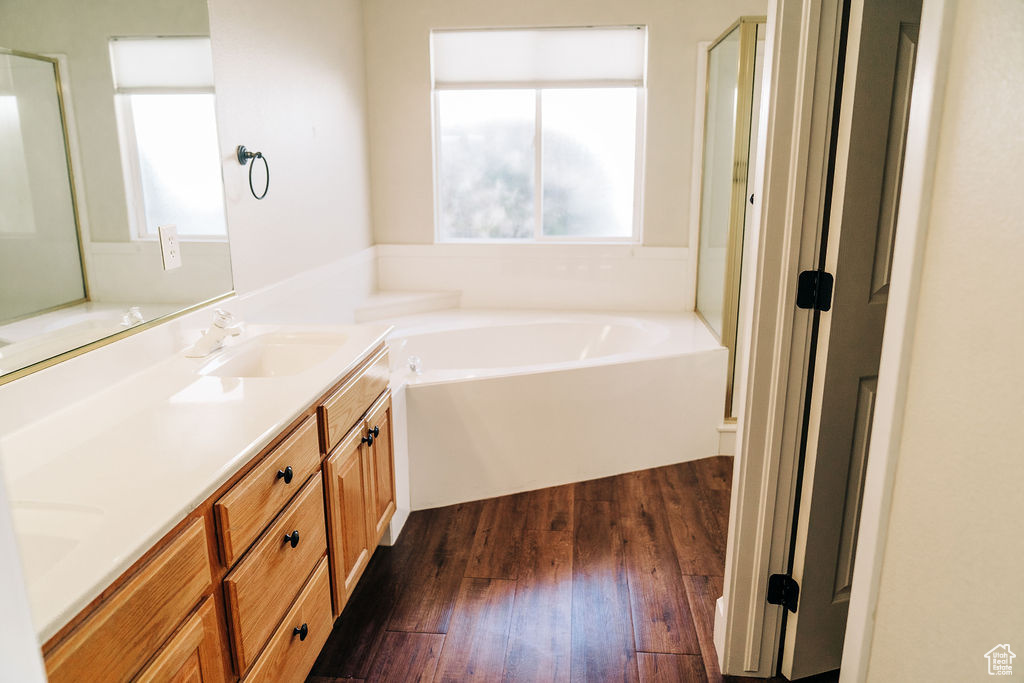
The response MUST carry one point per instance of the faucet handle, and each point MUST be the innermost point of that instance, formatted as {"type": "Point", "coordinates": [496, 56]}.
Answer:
{"type": "Point", "coordinates": [222, 318]}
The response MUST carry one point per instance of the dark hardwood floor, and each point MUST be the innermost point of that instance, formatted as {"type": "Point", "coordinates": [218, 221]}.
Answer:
{"type": "Point", "coordinates": [607, 580]}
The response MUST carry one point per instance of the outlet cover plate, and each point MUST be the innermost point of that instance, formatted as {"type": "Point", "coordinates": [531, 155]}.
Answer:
{"type": "Point", "coordinates": [170, 247]}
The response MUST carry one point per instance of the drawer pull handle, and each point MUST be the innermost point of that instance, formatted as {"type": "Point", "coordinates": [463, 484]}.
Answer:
{"type": "Point", "coordinates": [375, 431]}
{"type": "Point", "coordinates": [301, 632]}
{"type": "Point", "coordinates": [286, 474]}
{"type": "Point", "coordinates": [292, 538]}
{"type": "Point", "coordinates": [368, 439]}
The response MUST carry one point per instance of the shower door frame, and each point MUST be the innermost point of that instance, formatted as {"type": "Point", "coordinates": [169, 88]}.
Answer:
{"type": "Point", "coordinates": [748, 27]}
{"type": "Point", "coordinates": [59, 84]}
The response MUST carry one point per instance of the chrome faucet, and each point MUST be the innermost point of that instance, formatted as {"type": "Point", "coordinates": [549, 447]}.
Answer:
{"type": "Point", "coordinates": [132, 317]}
{"type": "Point", "coordinates": [213, 338]}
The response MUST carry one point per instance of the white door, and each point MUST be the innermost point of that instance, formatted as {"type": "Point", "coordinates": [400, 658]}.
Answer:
{"type": "Point", "coordinates": [868, 168]}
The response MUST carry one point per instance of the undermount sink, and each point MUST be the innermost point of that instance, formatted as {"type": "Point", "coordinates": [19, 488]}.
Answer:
{"type": "Point", "coordinates": [277, 354]}
{"type": "Point", "coordinates": [48, 532]}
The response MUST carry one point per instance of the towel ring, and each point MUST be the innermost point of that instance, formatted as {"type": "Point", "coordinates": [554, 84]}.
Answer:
{"type": "Point", "coordinates": [244, 156]}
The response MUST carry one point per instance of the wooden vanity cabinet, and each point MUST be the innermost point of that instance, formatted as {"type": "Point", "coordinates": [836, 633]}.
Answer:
{"type": "Point", "coordinates": [193, 653]}
{"type": "Point", "coordinates": [265, 582]}
{"type": "Point", "coordinates": [347, 473]}
{"type": "Point", "coordinates": [382, 461]}
{"type": "Point", "coordinates": [360, 487]}
{"type": "Point", "coordinates": [247, 587]}
{"type": "Point", "coordinates": [124, 632]}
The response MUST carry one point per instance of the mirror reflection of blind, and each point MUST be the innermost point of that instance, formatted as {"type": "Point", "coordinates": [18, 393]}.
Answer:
{"type": "Point", "coordinates": [550, 57]}
{"type": "Point", "coordinates": [177, 63]}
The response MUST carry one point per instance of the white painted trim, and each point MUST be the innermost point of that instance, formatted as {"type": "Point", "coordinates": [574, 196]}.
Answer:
{"type": "Point", "coordinates": [697, 164]}
{"type": "Point", "coordinates": [19, 650]}
{"type": "Point", "coordinates": [727, 439]}
{"type": "Point", "coordinates": [800, 50]}
{"type": "Point", "coordinates": [926, 108]}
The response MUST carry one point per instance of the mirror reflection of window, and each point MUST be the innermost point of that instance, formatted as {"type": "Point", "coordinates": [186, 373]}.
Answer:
{"type": "Point", "coordinates": [167, 125]}
{"type": "Point", "coordinates": [16, 216]}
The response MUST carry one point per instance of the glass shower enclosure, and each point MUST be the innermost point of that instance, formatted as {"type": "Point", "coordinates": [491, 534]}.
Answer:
{"type": "Point", "coordinates": [732, 100]}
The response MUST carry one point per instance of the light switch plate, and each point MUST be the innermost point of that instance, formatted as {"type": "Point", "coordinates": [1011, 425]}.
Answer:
{"type": "Point", "coordinates": [170, 248]}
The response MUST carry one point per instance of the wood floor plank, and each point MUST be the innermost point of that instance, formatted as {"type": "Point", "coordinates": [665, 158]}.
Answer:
{"type": "Point", "coordinates": [357, 633]}
{"type": "Point", "coordinates": [495, 550]}
{"type": "Point", "coordinates": [602, 630]}
{"type": "Point", "coordinates": [474, 649]}
{"type": "Point", "coordinates": [661, 613]}
{"type": "Point", "coordinates": [540, 638]}
{"type": "Point", "coordinates": [591, 555]}
{"type": "Point", "coordinates": [698, 541]}
{"type": "Point", "coordinates": [714, 478]}
{"type": "Point", "coordinates": [407, 658]}
{"type": "Point", "coordinates": [667, 668]}
{"type": "Point", "coordinates": [550, 509]}
{"type": "Point", "coordinates": [431, 582]}
{"type": "Point", "coordinates": [595, 489]}
{"type": "Point", "coordinates": [702, 592]}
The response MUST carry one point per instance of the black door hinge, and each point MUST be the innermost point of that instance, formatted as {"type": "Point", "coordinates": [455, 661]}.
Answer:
{"type": "Point", "coordinates": [783, 590]}
{"type": "Point", "coordinates": [814, 290]}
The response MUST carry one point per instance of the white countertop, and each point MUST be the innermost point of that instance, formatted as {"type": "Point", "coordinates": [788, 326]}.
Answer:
{"type": "Point", "coordinates": [96, 484]}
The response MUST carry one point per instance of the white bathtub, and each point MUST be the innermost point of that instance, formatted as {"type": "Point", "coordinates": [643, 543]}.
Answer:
{"type": "Point", "coordinates": [511, 401]}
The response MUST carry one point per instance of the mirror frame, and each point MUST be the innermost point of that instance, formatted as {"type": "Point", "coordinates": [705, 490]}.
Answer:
{"type": "Point", "coordinates": [117, 336]}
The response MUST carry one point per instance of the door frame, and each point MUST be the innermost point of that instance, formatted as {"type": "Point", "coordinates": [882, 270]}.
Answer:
{"type": "Point", "coordinates": [792, 164]}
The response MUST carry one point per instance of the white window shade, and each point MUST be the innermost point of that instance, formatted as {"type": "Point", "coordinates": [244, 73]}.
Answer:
{"type": "Point", "coordinates": [539, 57]}
{"type": "Point", "coordinates": [161, 63]}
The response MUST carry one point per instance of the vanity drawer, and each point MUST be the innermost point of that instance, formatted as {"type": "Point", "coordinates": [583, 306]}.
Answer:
{"type": "Point", "coordinates": [126, 630]}
{"type": "Point", "coordinates": [261, 588]}
{"type": "Point", "coordinates": [344, 407]}
{"type": "Point", "coordinates": [289, 655]}
{"type": "Point", "coordinates": [245, 510]}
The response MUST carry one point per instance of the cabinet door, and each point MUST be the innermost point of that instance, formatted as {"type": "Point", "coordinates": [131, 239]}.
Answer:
{"type": "Point", "coordinates": [378, 421]}
{"type": "Point", "coordinates": [193, 655]}
{"type": "Point", "coordinates": [347, 475]}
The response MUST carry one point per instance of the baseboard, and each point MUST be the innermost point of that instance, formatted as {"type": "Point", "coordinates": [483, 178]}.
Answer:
{"type": "Point", "coordinates": [394, 529]}
{"type": "Point", "coordinates": [727, 439]}
{"type": "Point", "coordinates": [719, 631]}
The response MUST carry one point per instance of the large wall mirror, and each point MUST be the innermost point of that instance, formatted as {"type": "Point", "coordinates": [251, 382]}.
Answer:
{"type": "Point", "coordinates": [107, 136]}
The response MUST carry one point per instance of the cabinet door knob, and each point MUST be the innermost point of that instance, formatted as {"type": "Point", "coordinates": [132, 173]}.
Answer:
{"type": "Point", "coordinates": [375, 431]}
{"type": "Point", "coordinates": [292, 538]}
{"type": "Point", "coordinates": [286, 474]}
{"type": "Point", "coordinates": [301, 632]}
{"type": "Point", "coordinates": [368, 439]}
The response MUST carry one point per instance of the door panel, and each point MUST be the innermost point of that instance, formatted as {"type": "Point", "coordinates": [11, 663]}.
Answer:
{"type": "Point", "coordinates": [896, 143]}
{"type": "Point", "coordinates": [868, 171]}
{"type": "Point", "coordinates": [379, 421]}
{"type": "Point", "coordinates": [194, 653]}
{"type": "Point", "coordinates": [854, 487]}
{"type": "Point", "coordinates": [347, 478]}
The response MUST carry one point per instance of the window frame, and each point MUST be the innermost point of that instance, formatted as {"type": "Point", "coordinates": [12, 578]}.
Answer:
{"type": "Point", "coordinates": [636, 234]}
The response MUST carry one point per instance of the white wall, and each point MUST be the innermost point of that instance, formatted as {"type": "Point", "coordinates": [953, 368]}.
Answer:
{"type": "Point", "coordinates": [594, 277]}
{"type": "Point", "coordinates": [950, 586]}
{"type": "Point", "coordinates": [398, 70]}
{"type": "Point", "coordinates": [290, 83]}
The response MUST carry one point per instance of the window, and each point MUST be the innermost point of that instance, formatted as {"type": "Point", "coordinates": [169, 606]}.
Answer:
{"type": "Point", "coordinates": [167, 125]}
{"type": "Point", "coordinates": [538, 133]}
